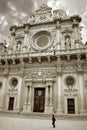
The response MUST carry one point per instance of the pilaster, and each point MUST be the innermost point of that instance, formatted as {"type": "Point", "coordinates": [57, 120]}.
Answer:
{"type": "Point", "coordinates": [46, 100]}
{"type": "Point", "coordinates": [81, 85]}
{"type": "Point", "coordinates": [2, 94]}
{"type": "Point", "coordinates": [29, 99]}
{"type": "Point", "coordinates": [19, 99]}
{"type": "Point", "coordinates": [58, 35]}
{"type": "Point", "coordinates": [50, 97]}
{"type": "Point", "coordinates": [27, 103]}
{"type": "Point", "coordinates": [76, 37]}
{"type": "Point", "coordinates": [12, 43]}
{"type": "Point", "coordinates": [59, 88]}
{"type": "Point", "coordinates": [59, 85]}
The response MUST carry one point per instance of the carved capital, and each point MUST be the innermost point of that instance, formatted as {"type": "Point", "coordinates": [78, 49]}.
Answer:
{"type": "Point", "coordinates": [59, 70]}
{"type": "Point", "coordinates": [28, 83]}
{"type": "Point", "coordinates": [49, 83]}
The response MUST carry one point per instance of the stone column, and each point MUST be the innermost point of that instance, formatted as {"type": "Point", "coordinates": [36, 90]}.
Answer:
{"type": "Point", "coordinates": [81, 85]}
{"type": "Point", "coordinates": [58, 35]}
{"type": "Point", "coordinates": [19, 98]}
{"type": "Point", "coordinates": [59, 80]}
{"type": "Point", "coordinates": [29, 99]}
{"type": "Point", "coordinates": [51, 103]}
{"type": "Point", "coordinates": [25, 100]}
{"type": "Point", "coordinates": [46, 99]}
{"type": "Point", "coordinates": [2, 94]}
{"type": "Point", "coordinates": [12, 43]}
{"type": "Point", "coordinates": [75, 26]}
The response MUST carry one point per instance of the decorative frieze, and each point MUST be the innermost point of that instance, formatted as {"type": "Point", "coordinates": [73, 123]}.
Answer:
{"type": "Point", "coordinates": [70, 92]}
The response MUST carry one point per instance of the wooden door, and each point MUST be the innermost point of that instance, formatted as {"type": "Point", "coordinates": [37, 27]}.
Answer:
{"type": "Point", "coordinates": [11, 103]}
{"type": "Point", "coordinates": [71, 106]}
{"type": "Point", "coordinates": [39, 99]}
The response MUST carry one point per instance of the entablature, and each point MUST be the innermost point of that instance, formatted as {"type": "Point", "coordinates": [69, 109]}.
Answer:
{"type": "Point", "coordinates": [45, 56]}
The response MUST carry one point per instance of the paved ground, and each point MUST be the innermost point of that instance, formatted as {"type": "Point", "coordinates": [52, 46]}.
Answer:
{"type": "Point", "coordinates": [20, 123]}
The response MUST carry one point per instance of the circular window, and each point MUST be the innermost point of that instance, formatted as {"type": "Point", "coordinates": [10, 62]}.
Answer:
{"type": "Point", "coordinates": [42, 41]}
{"type": "Point", "coordinates": [14, 81]}
{"type": "Point", "coordinates": [70, 80]}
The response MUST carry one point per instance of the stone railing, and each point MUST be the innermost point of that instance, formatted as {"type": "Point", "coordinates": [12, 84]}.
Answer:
{"type": "Point", "coordinates": [13, 55]}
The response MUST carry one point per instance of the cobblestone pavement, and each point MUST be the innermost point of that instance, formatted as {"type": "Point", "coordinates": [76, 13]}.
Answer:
{"type": "Point", "coordinates": [20, 123]}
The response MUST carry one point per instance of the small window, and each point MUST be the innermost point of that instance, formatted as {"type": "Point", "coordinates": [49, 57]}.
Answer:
{"type": "Point", "coordinates": [70, 80]}
{"type": "Point", "coordinates": [14, 82]}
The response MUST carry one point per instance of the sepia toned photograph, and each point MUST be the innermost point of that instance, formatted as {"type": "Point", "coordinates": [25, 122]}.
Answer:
{"type": "Point", "coordinates": [43, 64]}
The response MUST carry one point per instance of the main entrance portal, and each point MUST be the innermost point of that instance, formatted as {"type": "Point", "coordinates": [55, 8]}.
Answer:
{"type": "Point", "coordinates": [11, 103]}
{"type": "Point", "coordinates": [39, 99]}
{"type": "Point", "coordinates": [71, 106]}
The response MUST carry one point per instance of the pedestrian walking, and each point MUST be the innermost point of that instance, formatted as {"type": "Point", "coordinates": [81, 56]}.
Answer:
{"type": "Point", "coordinates": [53, 120]}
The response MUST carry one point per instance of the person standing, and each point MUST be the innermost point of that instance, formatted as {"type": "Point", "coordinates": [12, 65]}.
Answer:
{"type": "Point", "coordinates": [53, 120]}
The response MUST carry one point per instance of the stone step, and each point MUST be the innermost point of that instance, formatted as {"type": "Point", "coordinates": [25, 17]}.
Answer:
{"type": "Point", "coordinates": [43, 115]}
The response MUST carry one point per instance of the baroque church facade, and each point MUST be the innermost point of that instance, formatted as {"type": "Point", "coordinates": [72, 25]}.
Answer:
{"type": "Point", "coordinates": [44, 68]}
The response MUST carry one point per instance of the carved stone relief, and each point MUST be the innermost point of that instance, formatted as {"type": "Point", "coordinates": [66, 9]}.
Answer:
{"type": "Point", "coordinates": [68, 68]}
{"type": "Point", "coordinates": [36, 74]}
{"type": "Point", "coordinates": [71, 92]}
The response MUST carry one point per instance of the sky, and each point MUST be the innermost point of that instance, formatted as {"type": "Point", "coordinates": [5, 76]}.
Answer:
{"type": "Point", "coordinates": [13, 12]}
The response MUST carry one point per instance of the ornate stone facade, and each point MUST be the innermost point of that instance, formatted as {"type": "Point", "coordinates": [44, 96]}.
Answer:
{"type": "Point", "coordinates": [44, 68]}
